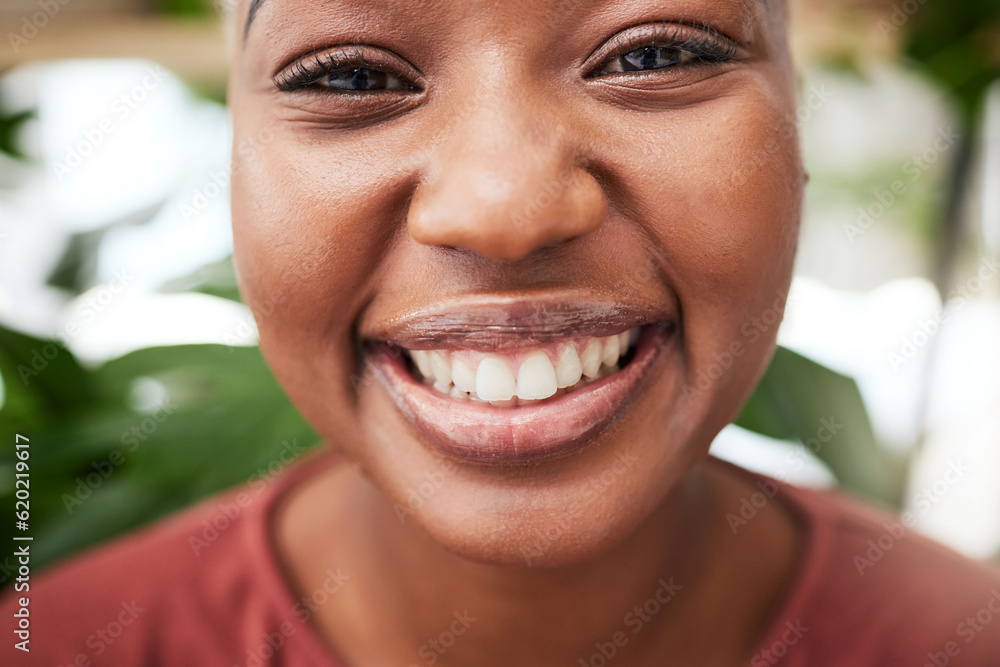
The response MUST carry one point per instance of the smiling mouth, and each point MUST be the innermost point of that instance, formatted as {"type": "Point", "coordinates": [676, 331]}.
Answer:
{"type": "Point", "coordinates": [524, 377]}
{"type": "Point", "coordinates": [512, 383]}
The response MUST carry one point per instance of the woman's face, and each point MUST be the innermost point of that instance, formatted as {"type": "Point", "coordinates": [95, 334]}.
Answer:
{"type": "Point", "coordinates": [496, 186]}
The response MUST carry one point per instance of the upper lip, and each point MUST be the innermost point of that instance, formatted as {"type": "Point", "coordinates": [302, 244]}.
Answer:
{"type": "Point", "coordinates": [492, 323]}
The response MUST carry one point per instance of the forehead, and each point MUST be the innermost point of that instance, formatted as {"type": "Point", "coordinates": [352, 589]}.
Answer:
{"type": "Point", "coordinates": [554, 9]}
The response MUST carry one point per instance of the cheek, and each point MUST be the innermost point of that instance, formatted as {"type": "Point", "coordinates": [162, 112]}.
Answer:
{"type": "Point", "coordinates": [310, 230]}
{"type": "Point", "coordinates": [724, 207]}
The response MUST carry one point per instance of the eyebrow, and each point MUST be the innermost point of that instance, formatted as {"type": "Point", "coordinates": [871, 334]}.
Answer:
{"type": "Point", "coordinates": [255, 6]}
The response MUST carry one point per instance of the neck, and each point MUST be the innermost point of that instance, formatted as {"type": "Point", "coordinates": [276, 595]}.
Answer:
{"type": "Point", "coordinates": [670, 588]}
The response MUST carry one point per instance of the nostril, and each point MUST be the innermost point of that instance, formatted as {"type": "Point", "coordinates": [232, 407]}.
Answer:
{"type": "Point", "coordinates": [505, 216]}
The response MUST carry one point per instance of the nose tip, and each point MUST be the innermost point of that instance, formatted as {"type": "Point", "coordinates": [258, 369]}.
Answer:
{"type": "Point", "coordinates": [505, 215]}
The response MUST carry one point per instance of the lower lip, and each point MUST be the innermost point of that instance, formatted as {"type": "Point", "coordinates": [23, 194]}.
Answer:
{"type": "Point", "coordinates": [483, 434]}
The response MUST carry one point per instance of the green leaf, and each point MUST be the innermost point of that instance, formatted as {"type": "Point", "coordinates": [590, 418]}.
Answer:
{"type": "Point", "coordinates": [103, 468]}
{"type": "Point", "coordinates": [42, 379]}
{"type": "Point", "coordinates": [801, 400]}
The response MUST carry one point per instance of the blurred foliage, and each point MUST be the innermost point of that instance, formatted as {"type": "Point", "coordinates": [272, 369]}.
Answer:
{"type": "Point", "coordinates": [189, 8]}
{"type": "Point", "coordinates": [101, 465]}
{"type": "Point", "coordinates": [10, 125]}
{"type": "Point", "coordinates": [799, 399]}
{"type": "Point", "coordinates": [216, 279]}
{"type": "Point", "coordinates": [958, 45]}
{"type": "Point", "coordinates": [78, 263]}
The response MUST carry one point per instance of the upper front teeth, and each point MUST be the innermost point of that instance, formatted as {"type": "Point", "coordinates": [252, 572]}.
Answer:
{"type": "Point", "coordinates": [463, 376]}
{"type": "Point", "coordinates": [536, 378]}
{"type": "Point", "coordinates": [568, 368]}
{"type": "Point", "coordinates": [494, 380]}
{"type": "Point", "coordinates": [485, 377]}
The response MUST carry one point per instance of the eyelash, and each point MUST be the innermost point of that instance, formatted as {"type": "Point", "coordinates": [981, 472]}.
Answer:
{"type": "Point", "coordinates": [706, 45]}
{"type": "Point", "coordinates": [311, 68]}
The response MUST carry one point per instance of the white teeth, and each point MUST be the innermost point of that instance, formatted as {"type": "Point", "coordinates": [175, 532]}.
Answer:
{"type": "Point", "coordinates": [463, 376]}
{"type": "Point", "coordinates": [611, 350]}
{"type": "Point", "coordinates": [536, 378]}
{"type": "Point", "coordinates": [494, 380]}
{"type": "Point", "coordinates": [568, 368]}
{"type": "Point", "coordinates": [422, 359]}
{"type": "Point", "coordinates": [623, 342]}
{"type": "Point", "coordinates": [591, 358]}
{"type": "Point", "coordinates": [440, 368]}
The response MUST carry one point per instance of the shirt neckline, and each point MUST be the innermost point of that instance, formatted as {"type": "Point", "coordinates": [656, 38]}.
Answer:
{"type": "Point", "coordinates": [275, 576]}
{"type": "Point", "coordinates": [812, 558]}
{"type": "Point", "coordinates": [816, 537]}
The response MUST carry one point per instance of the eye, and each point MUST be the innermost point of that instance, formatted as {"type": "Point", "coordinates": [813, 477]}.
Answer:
{"type": "Point", "coordinates": [362, 79]}
{"type": "Point", "coordinates": [352, 71]}
{"type": "Point", "coordinates": [648, 58]}
{"type": "Point", "coordinates": [662, 46]}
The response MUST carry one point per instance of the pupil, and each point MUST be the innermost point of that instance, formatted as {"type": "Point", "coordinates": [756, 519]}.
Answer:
{"type": "Point", "coordinates": [360, 79]}
{"type": "Point", "coordinates": [650, 55]}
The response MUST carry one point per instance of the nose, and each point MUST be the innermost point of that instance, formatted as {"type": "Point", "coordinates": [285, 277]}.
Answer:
{"type": "Point", "coordinates": [503, 181]}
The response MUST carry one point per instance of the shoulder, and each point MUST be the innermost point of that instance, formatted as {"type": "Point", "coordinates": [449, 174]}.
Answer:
{"type": "Point", "coordinates": [870, 590]}
{"type": "Point", "coordinates": [200, 588]}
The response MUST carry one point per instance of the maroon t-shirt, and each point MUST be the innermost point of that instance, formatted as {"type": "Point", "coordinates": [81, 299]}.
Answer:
{"type": "Point", "coordinates": [205, 589]}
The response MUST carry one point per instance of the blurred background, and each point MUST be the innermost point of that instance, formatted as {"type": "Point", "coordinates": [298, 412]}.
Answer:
{"type": "Point", "coordinates": [128, 360]}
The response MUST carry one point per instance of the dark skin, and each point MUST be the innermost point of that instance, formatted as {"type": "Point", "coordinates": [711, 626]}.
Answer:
{"type": "Point", "coordinates": [354, 208]}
